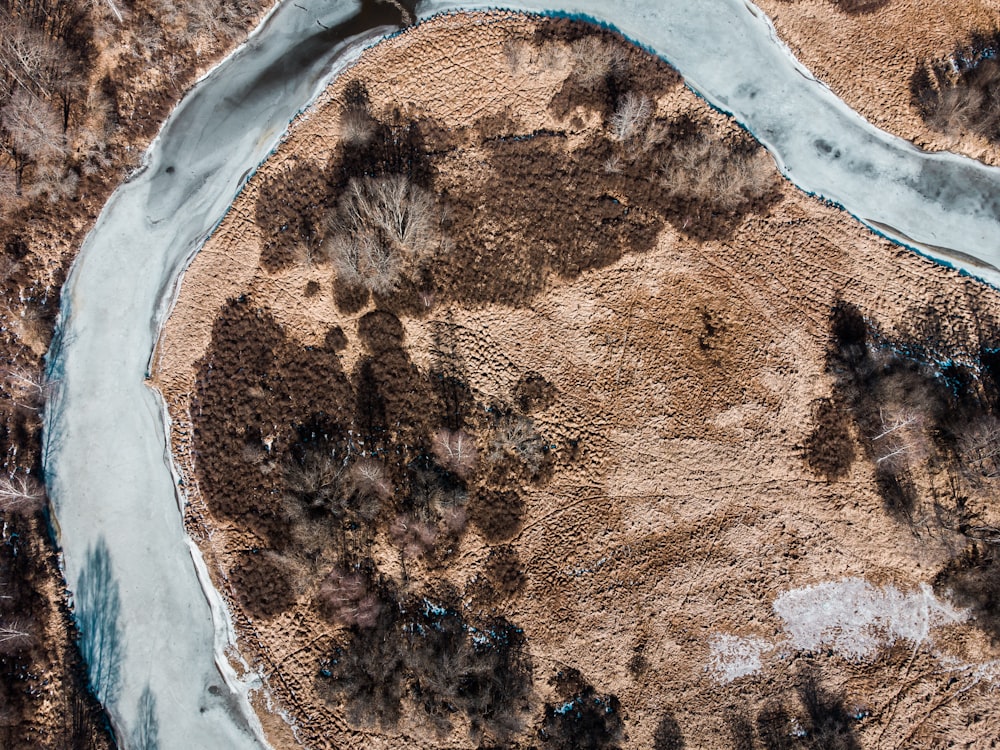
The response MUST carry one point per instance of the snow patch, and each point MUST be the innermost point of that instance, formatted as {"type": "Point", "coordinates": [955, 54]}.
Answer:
{"type": "Point", "coordinates": [732, 657]}
{"type": "Point", "coordinates": [856, 619]}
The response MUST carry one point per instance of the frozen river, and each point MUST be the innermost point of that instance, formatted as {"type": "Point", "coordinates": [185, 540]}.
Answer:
{"type": "Point", "coordinates": [155, 631]}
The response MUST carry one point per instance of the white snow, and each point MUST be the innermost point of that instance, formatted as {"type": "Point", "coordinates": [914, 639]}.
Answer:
{"type": "Point", "coordinates": [732, 657]}
{"type": "Point", "coordinates": [856, 619]}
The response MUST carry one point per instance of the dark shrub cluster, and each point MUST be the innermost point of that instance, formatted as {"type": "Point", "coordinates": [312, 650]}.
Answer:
{"type": "Point", "coordinates": [430, 657]}
{"type": "Point", "coordinates": [583, 719]}
{"type": "Point", "coordinates": [973, 581]}
{"type": "Point", "coordinates": [961, 93]}
{"type": "Point", "coordinates": [908, 399]}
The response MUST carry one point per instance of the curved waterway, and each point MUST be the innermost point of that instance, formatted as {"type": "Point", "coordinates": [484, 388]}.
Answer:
{"type": "Point", "coordinates": [155, 632]}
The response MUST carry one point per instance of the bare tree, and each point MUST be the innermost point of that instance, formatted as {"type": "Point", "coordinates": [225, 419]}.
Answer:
{"type": "Point", "coordinates": [349, 600]}
{"type": "Point", "coordinates": [15, 635]}
{"type": "Point", "coordinates": [314, 481]}
{"type": "Point", "coordinates": [702, 167]}
{"type": "Point", "coordinates": [356, 126]}
{"type": "Point", "coordinates": [368, 477]}
{"type": "Point", "coordinates": [631, 117]}
{"type": "Point", "coordinates": [594, 60]}
{"type": "Point", "coordinates": [26, 385]}
{"type": "Point", "coordinates": [21, 493]}
{"type": "Point", "coordinates": [456, 450]}
{"type": "Point", "coordinates": [979, 446]}
{"type": "Point", "coordinates": [32, 61]}
{"type": "Point", "coordinates": [413, 537]}
{"type": "Point", "coordinates": [515, 437]}
{"type": "Point", "coordinates": [382, 229]}
{"type": "Point", "coordinates": [33, 130]}
{"type": "Point", "coordinates": [363, 260]}
{"type": "Point", "coordinates": [899, 441]}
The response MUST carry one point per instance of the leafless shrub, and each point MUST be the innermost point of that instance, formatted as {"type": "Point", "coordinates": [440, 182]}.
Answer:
{"type": "Point", "coordinates": [631, 117]}
{"type": "Point", "coordinates": [382, 229]}
{"type": "Point", "coordinates": [413, 537]}
{"type": "Point", "coordinates": [314, 481]}
{"type": "Point", "coordinates": [957, 95]}
{"type": "Point", "coordinates": [25, 385]}
{"type": "Point", "coordinates": [551, 57]}
{"type": "Point", "coordinates": [33, 61]}
{"type": "Point", "coordinates": [363, 260]}
{"type": "Point", "coordinates": [15, 635]}
{"type": "Point", "coordinates": [348, 599]}
{"type": "Point", "coordinates": [515, 437]}
{"type": "Point", "coordinates": [958, 111]}
{"type": "Point", "coordinates": [455, 518]}
{"type": "Point", "coordinates": [518, 53]}
{"type": "Point", "coordinates": [456, 450]}
{"type": "Point", "coordinates": [899, 441]}
{"type": "Point", "coordinates": [34, 127]}
{"type": "Point", "coordinates": [22, 494]}
{"type": "Point", "coordinates": [707, 169]}
{"type": "Point", "coordinates": [367, 476]}
{"type": "Point", "coordinates": [8, 187]}
{"type": "Point", "coordinates": [356, 126]}
{"type": "Point", "coordinates": [54, 182]}
{"type": "Point", "coordinates": [594, 59]}
{"type": "Point", "coordinates": [979, 447]}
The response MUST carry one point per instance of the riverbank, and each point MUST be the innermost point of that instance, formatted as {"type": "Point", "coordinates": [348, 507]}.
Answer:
{"type": "Point", "coordinates": [681, 389]}
{"type": "Point", "coordinates": [868, 56]}
{"type": "Point", "coordinates": [111, 98]}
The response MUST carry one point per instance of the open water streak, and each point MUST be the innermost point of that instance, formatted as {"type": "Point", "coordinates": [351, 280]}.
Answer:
{"type": "Point", "coordinates": [154, 630]}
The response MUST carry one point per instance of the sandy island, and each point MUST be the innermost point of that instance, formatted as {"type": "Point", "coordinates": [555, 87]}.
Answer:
{"type": "Point", "coordinates": [676, 499]}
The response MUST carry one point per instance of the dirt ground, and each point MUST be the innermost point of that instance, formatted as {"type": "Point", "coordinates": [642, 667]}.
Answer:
{"type": "Point", "coordinates": [678, 525]}
{"type": "Point", "coordinates": [867, 50]}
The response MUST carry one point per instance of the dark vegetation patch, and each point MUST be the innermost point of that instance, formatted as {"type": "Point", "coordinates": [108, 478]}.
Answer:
{"type": "Point", "coordinates": [918, 404]}
{"type": "Point", "coordinates": [28, 658]}
{"type": "Point", "coordinates": [505, 571]}
{"type": "Point", "coordinates": [961, 92]}
{"type": "Point", "coordinates": [740, 731]}
{"type": "Point", "coordinates": [828, 725]}
{"type": "Point", "coordinates": [253, 383]}
{"type": "Point", "coordinates": [973, 580]}
{"type": "Point", "coordinates": [319, 463]}
{"type": "Point", "coordinates": [829, 449]}
{"type": "Point", "coordinates": [860, 7]}
{"type": "Point", "coordinates": [605, 66]}
{"type": "Point", "coordinates": [536, 212]}
{"type": "Point", "coordinates": [290, 210]}
{"type": "Point", "coordinates": [556, 214]}
{"type": "Point", "coordinates": [582, 719]}
{"type": "Point", "coordinates": [533, 393]}
{"type": "Point", "coordinates": [293, 206]}
{"type": "Point", "coordinates": [911, 400]}
{"type": "Point", "coordinates": [428, 656]}
{"type": "Point", "coordinates": [263, 582]}
{"type": "Point", "coordinates": [566, 215]}
{"type": "Point", "coordinates": [497, 515]}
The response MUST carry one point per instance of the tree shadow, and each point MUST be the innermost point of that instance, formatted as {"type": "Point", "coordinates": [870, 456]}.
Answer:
{"type": "Point", "coordinates": [98, 612]}
{"type": "Point", "coordinates": [146, 734]}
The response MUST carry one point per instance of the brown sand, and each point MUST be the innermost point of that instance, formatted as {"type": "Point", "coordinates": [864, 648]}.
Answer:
{"type": "Point", "coordinates": [689, 374]}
